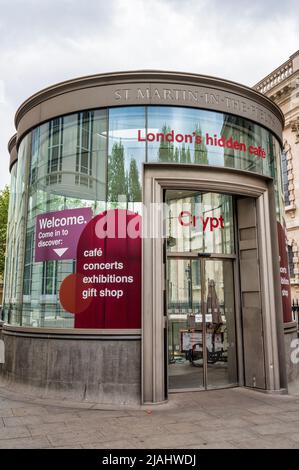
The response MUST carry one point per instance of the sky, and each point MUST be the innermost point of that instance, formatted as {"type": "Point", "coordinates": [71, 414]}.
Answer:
{"type": "Point", "coordinates": [43, 42]}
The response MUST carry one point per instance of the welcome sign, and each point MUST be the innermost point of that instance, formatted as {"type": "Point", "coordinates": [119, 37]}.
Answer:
{"type": "Point", "coordinates": [57, 233]}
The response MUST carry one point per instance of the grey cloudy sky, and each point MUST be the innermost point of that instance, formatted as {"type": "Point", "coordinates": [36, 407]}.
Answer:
{"type": "Point", "coordinates": [46, 41]}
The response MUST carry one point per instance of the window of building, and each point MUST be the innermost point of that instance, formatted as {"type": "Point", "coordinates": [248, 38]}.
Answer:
{"type": "Point", "coordinates": [35, 144]}
{"type": "Point", "coordinates": [84, 149]}
{"type": "Point", "coordinates": [28, 262]}
{"type": "Point", "coordinates": [49, 278]}
{"type": "Point", "coordinates": [55, 144]}
{"type": "Point", "coordinates": [126, 154]}
{"type": "Point", "coordinates": [291, 261]}
{"type": "Point", "coordinates": [285, 179]}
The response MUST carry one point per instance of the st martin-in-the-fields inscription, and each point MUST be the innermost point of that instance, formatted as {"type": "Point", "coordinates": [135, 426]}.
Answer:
{"type": "Point", "coordinates": [201, 97]}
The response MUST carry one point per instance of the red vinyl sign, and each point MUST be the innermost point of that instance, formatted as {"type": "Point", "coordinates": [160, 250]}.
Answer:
{"type": "Point", "coordinates": [284, 274]}
{"type": "Point", "coordinates": [105, 292]}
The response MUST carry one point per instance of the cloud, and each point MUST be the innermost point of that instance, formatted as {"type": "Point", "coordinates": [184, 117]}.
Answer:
{"type": "Point", "coordinates": [44, 42]}
{"type": "Point", "coordinates": [29, 21]}
{"type": "Point", "coordinates": [6, 131]}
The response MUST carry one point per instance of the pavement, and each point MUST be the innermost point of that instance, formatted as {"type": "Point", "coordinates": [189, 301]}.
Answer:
{"type": "Point", "coordinates": [230, 418]}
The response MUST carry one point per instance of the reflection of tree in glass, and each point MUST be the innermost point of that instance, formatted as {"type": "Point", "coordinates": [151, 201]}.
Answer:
{"type": "Point", "coordinates": [183, 154]}
{"type": "Point", "coordinates": [4, 201]}
{"type": "Point", "coordinates": [169, 153]}
{"type": "Point", "coordinates": [166, 149]}
{"type": "Point", "coordinates": [134, 187]}
{"type": "Point", "coordinates": [200, 150]}
{"type": "Point", "coordinates": [117, 181]}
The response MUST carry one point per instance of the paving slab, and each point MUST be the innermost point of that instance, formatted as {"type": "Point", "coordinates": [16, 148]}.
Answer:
{"type": "Point", "coordinates": [275, 442]}
{"type": "Point", "coordinates": [29, 410]}
{"type": "Point", "coordinates": [13, 432]}
{"type": "Point", "coordinates": [73, 438]}
{"type": "Point", "coordinates": [262, 419]}
{"type": "Point", "coordinates": [5, 412]}
{"type": "Point", "coordinates": [277, 428]}
{"type": "Point", "coordinates": [118, 444]}
{"type": "Point", "coordinates": [25, 443]}
{"type": "Point", "coordinates": [211, 445]}
{"type": "Point", "coordinates": [21, 420]}
{"type": "Point", "coordinates": [288, 416]}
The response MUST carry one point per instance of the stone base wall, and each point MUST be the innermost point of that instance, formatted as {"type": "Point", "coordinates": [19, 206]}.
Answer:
{"type": "Point", "coordinates": [81, 369]}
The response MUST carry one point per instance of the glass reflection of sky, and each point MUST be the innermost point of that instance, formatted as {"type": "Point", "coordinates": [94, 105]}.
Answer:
{"type": "Point", "coordinates": [123, 126]}
{"type": "Point", "coordinates": [185, 121]}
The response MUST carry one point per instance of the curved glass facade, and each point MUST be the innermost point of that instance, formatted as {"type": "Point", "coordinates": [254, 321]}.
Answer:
{"type": "Point", "coordinates": [94, 159]}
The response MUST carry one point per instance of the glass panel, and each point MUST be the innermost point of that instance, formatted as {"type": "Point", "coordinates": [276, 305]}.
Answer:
{"type": "Point", "coordinates": [186, 135]}
{"type": "Point", "coordinates": [220, 324]}
{"type": "Point", "coordinates": [16, 249]}
{"type": "Point", "coordinates": [67, 171]}
{"type": "Point", "coordinates": [200, 222]}
{"type": "Point", "coordinates": [185, 351]}
{"type": "Point", "coordinates": [9, 304]}
{"type": "Point", "coordinates": [126, 155]}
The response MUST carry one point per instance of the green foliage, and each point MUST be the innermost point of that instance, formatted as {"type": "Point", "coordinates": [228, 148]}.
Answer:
{"type": "Point", "coordinates": [183, 156]}
{"type": "Point", "coordinates": [188, 155]}
{"type": "Point", "coordinates": [200, 150]}
{"type": "Point", "coordinates": [166, 149]}
{"type": "Point", "coordinates": [134, 188]}
{"type": "Point", "coordinates": [4, 200]}
{"type": "Point", "coordinates": [120, 181]}
{"type": "Point", "coordinates": [117, 181]}
{"type": "Point", "coordinates": [168, 152]}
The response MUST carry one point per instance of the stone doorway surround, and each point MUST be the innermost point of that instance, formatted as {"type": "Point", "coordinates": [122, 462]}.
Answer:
{"type": "Point", "coordinates": [156, 178]}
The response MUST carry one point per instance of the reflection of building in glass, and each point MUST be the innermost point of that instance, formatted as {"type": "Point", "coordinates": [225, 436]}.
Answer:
{"type": "Point", "coordinates": [240, 131]}
{"type": "Point", "coordinates": [200, 222]}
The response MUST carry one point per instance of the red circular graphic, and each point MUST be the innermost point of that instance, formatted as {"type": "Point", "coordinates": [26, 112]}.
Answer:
{"type": "Point", "coordinates": [70, 294]}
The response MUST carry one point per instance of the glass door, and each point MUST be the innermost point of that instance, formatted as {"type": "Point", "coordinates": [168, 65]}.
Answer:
{"type": "Point", "coordinates": [185, 324]}
{"type": "Point", "coordinates": [201, 323]}
{"type": "Point", "coordinates": [221, 361]}
{"type": "Point", "coordinates": [201, 251]}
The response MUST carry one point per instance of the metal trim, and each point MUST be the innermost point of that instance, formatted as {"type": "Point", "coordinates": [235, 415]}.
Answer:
{"type": "Point", "coordinates": [74, 332]}
{"type": "Point", "coordinates": [72, 337]}
{"type": "Point", "coordinates": [196, 255]}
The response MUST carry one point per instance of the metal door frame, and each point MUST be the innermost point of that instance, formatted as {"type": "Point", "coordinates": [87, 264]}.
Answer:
{"type": "Point", "coordinates": [202, 258]}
